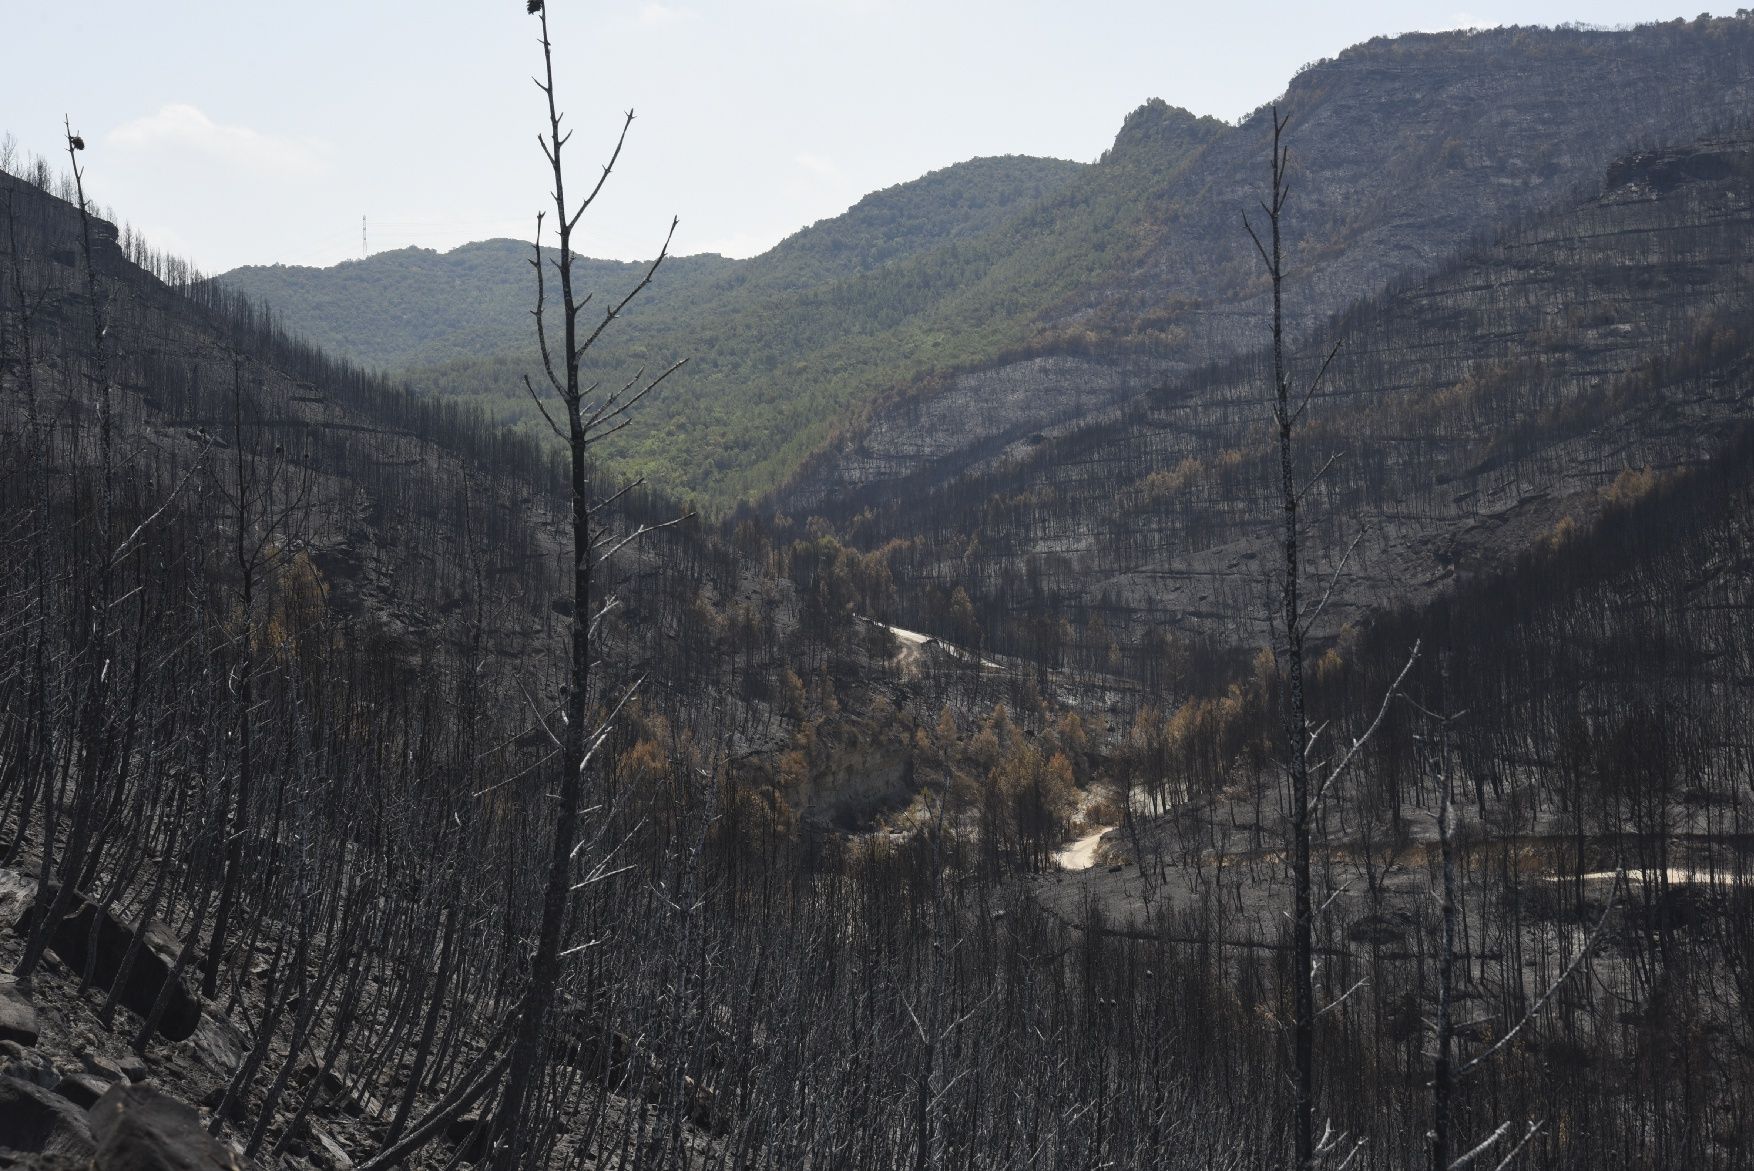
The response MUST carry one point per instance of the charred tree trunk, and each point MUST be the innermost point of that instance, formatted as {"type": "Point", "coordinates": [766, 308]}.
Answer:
{"type": "Point", "coordinates": [1295, 718]}
{"type": "Point", "coordinates": [516, 1123]}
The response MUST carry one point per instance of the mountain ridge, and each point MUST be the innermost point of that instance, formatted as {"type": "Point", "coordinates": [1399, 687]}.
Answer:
{"type": "Point", "coordinates": [1138, 268]}
{"type": "Point", "coordinates": [834, 754]}
{"type": "Point", "coordinates": [1398, 165]}
{"type": "Point", "coordinates": [491, 276]}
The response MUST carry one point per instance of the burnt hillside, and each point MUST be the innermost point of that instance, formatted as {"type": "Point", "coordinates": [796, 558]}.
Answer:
{"type": "Point", "coordinates": [283, 649]}
{"type": "Point", "coordinates": [1466, 417]}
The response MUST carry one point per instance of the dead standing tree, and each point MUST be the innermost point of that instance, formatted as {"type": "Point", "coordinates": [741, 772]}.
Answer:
{"type": "Point", "coordinates": [267, 496]}
{"type": "Point", "coordinates": [1296, 720]}
{"type": "Point", "coordinates": [589, 418]}
{"type": "Point", "coordinates": [1309, 785]}
{"type": "Point", "coordinates": [93, 640]}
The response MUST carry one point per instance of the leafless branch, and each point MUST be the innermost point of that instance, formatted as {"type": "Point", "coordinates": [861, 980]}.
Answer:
{"type": "Point", "coordinates": [1577, 960]}
{"type": "Point", "coordinates": [1333, 581]}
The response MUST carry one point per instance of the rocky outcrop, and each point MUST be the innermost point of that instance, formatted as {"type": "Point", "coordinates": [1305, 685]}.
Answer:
{"type": "Point", "coordinates": [18, 1017]}
{"type": "Point", "coordinates": [142, 958]}
{"type": "Point", "coordinates": [36, 1121]}
{"type": "Point", "coordinates": [137, 1128]}
{"type": "Point", "coordinates": [82, 1089]}
{"type": "Point", "coordinates": [17, 893]}
{"type": "Point", "coordinates": [851, 780]}
{"type": "Point", "coordinates": [1652, 173]}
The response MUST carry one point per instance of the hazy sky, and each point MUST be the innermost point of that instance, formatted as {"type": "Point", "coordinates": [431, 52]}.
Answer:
{"type": "Point", "coordinates": [236, 133]}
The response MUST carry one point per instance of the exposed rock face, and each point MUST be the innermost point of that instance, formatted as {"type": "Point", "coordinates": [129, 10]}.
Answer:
{"type": "Point", "coordinates": [89, 934]}
{"type": "Point", "coordinates": [855, 782]}
{"type": "Point", "coordinates": [216, 1045]}
{"type": "Point", "coordinates": [1651, 173]}
{"type": "Point", "coordinates": [328, 1153]}
{"type": "Point", "coordinates": [16, 895]}
{"type": "Point", "coordinates": [31, 1066]}
{"type": "Point", "coordinates": [139, 1129]}
{"type": "Point", "coordinates": [82, 1089]}
{"type": "Point", "coordinates": [18, 1017]}
{"type": "Point", "coordinates": [35, 1121]}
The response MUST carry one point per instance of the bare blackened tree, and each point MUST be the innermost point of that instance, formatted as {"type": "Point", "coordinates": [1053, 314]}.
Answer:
{"type": "Point", "coordinates": [1296, 718]}
{"type": "Point", "coordinates": [37, 746]}
{"type": "Point", "coordinates": [589, 417]}
{"type": "Point", "coordinates": [94, 635]}
{"type": "Point", "coordinates": [266, 496]}
{"type": "Point", "coordinates": [1308, 786]}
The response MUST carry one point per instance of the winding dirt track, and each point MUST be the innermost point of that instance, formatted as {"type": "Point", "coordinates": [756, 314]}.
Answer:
{"type": "Point", "coordinates": [1081, 854]}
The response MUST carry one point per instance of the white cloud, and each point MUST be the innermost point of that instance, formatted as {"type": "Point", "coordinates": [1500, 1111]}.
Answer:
{"type": "Point", "coordinates": [742, 245]}
{"type": "Point", "coordinates": [661, 15]}
{"type": "Point", "coordinates": [855, 7]}
{"type": "Point", "coordinates": [1457, 21]}
{"type": "Point", "coordinates": [820, 166]}
{"type": "Point", "coordinates": [163, 238]}
{"type": "Point", "coordinates": [182, 127]}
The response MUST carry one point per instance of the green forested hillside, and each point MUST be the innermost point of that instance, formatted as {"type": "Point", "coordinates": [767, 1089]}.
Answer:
{"type": "Point", "coordinates": [773, 369]}
{"type": "Point", "coordinates": [415, 307]}
{"type": "Point", "coordinates": [954, 203]}
{"type": "Point", "coordinates": [914, 279]}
